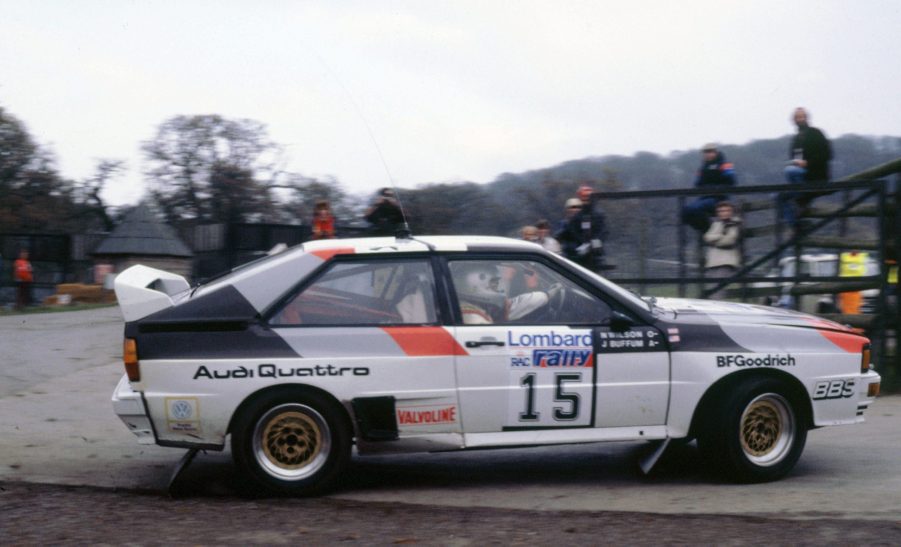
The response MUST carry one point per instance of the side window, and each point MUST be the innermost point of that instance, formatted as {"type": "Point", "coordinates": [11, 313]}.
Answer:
{"type": "Point", "coordinates": [522, 292]}
{"type": "Point", "coordinates": [365, 292]}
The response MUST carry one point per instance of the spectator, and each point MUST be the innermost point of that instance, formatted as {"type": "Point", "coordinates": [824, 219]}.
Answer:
{"type": "Point", "coordinates": [809, 156]}
{"type": "Point", "coordinates": [570, 208]}
{"type": "Point", "coordinates": [323, 221]}
{"type": "Point", "coordinates": [582, 239]}
{"type": "Point", "coordinates": [715, 172]}
{"type": "Point", "coordinates": [529, 233]}
{"type": "Point", "coordinates": [24, 276]}
{"type": "Point", "coordinates": [544, 236]}
{"type": "Point", "coordinates": [722, 239]}
{"type": "Point", "coordinates": [384, 215]}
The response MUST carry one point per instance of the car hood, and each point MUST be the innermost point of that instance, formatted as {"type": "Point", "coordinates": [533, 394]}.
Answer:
{"type": "Point", "coordinates": [686, 310]}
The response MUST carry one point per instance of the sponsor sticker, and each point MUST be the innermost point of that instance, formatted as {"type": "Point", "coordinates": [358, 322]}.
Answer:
{"type": "Point", "coordinates": [545, 358]}
{"type": "Point", "coordinates": [833, 389]}
{"type": "Point", "coordinates": [550, 349]}
{"type": "Point", "coordinates": [273, 371]}
{"type": "Point", "coordinates": [183, 414]}
{"type": "Point", "coordinates": [755, 360]}
{"type": "Point", "coordinates": [426, 415]}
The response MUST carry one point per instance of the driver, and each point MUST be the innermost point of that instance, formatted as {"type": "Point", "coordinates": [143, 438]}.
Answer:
{"type": "Point", "coordinates": [483, 300]}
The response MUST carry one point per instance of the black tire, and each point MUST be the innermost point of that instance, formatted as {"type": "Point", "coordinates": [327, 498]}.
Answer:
{"type": "Point", "coordinates": [754, 433]}
{"type": "Point", "coordinates": [291, 442]}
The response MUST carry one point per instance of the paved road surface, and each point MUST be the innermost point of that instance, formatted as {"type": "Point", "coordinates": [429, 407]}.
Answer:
{"type": "Point", "coordinates": [57, 427]}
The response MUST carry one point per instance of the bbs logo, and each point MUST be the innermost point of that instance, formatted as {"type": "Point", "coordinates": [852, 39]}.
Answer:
{"type": "Point", "coordinates": [833, 389]}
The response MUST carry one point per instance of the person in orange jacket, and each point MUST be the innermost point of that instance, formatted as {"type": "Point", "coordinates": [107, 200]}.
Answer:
{"type": "Point", "coordinates": [24, 276]}
{"type": "Point", "coordinates": [323, 221]}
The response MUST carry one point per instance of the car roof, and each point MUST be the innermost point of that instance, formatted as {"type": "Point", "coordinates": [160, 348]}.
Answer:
{"type": "Point", "coordinates": [419, 244]}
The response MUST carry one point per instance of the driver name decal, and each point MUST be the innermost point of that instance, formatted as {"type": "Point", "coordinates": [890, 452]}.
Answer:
{"type": "Point", "coordinates": [633, 340]}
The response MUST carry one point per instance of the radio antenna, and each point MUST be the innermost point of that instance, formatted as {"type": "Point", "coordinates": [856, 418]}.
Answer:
{"type": "Point", "coordinates": [405, 232]}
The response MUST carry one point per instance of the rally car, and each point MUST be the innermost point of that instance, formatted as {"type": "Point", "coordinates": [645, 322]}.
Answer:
{"type": "Point", "coordinates": [450, 343]}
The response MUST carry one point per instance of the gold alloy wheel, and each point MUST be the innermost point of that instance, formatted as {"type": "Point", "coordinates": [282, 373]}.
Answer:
{"type": "Point", "coordinates": [291, 441]}
{"type": "Point", "coordinates": [767, 429]}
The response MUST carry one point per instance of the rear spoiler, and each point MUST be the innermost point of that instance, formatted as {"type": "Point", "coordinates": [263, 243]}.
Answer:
{"type": "Point", "coordinates": [141, 291]}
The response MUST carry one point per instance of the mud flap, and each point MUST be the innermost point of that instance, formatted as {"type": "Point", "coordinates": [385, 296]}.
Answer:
{"type": "Point", "coordinates": [649, 460]}
{"type": "Point", "coordinates": [183, 464]}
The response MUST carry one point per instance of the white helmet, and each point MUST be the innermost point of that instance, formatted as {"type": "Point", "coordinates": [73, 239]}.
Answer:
{"type": "Point", "coordinates": [479, 283]}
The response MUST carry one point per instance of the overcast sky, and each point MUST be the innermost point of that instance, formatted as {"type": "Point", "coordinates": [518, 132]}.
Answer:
{"type": "Point", "coordinates": [454, 90]}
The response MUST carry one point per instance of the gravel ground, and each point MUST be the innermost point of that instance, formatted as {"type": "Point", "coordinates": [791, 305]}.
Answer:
{"type": "Point", "coordinates": [47, 514]}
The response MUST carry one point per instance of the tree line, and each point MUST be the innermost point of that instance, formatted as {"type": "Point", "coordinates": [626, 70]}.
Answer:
{"type": "Point", "coordinates": [203, 169]}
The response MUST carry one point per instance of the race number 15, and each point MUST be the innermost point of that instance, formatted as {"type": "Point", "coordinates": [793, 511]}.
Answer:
{"type": "Point", "coordinates": [567, 412]}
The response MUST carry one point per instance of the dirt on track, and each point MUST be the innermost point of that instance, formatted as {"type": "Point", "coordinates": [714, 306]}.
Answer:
{"type": "Point", "coordinates": [47, 514]}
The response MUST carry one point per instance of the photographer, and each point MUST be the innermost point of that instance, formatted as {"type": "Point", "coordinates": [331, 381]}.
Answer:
{"type": "Point", "coordinates": [722, 239]}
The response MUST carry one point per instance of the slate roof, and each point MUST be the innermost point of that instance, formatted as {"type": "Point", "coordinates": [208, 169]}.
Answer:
{"type": "Point", "coordinates": [142, 233]}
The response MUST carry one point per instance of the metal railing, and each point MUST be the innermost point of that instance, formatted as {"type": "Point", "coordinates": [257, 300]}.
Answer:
{"type": "Point", "coordinates": [873, 200]}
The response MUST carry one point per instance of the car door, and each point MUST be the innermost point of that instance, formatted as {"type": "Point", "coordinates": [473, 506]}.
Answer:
{"type": "Point", "coordinates": [542, 353]}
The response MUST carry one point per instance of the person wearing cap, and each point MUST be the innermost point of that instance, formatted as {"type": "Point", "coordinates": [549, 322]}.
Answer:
{"type": "Point", "coordinates": [582, 238]}
{"type": "Point", "coordinates": [384, 215]}
{"type": "Point", "coordinates": [715, 172]}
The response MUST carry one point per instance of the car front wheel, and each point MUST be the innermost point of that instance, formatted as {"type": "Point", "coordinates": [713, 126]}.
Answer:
{"type": "Point", "coordinates": [755, 434]}
{"type": "Point", "coordinates": [292, 443]}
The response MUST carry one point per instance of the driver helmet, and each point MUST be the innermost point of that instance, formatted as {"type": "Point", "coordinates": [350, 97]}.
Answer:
{"type": "Point", "coordinates": [480, 283]}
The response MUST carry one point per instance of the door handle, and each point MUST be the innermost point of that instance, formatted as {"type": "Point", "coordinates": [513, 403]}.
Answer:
{"type": "Point", "coordinates": [479, 343]}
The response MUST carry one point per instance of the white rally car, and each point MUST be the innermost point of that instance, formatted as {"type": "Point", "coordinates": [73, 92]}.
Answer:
{"type": "Point", "coordinates": [448, 343]}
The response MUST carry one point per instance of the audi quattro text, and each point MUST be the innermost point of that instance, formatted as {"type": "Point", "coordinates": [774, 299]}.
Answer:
{"type": "Point", "coordinates": [452, 343]}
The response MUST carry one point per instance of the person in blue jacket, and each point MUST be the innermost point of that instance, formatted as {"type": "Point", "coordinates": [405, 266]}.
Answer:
{"type": "Point", "coordinates": [715, 173]}
{"type": "Point", "coordinates": [582, 237]}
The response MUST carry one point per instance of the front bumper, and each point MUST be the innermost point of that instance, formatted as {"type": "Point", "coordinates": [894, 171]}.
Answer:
{"type": "Point", "coordinates": [129, 406]}
{"type": "Point", "coordinates": [870, 384]}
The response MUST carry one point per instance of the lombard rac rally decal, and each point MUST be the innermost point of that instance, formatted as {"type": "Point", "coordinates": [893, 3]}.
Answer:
{"type": "Point", "coordinates": [182, 414]}
{"type": "Point", "coordinates": [550, 349]}
{"type": "Point", "coordinates": [551, 378]}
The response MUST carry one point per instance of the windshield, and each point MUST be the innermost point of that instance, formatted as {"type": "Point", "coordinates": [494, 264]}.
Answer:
{"type": "Point", "coordinates": [620, 292]}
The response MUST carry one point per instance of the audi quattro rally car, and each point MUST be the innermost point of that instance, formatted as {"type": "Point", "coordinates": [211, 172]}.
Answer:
{"type": "Point", "coordinates": [448, 343]}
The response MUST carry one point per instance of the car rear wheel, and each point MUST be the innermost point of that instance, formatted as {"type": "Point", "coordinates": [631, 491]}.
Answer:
{"type": "Point", "coordinates": [755, 434]}
{"type": "Point", "coordinates": [291, 442]}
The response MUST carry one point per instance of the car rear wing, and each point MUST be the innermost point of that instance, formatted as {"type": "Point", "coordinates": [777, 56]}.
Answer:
{"type": "Point", "coordinates": [142, 290]}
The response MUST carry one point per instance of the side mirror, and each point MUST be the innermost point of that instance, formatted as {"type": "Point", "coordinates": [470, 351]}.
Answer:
{"type": "Point", "coordinates": [620, 322]}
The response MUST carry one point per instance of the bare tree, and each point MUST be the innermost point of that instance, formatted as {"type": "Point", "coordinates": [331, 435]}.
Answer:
{"type": "Point", "coordinates": [207, 168]}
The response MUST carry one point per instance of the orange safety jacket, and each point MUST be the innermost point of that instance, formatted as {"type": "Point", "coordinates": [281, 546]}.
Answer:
{"type": "Point", "coordinates": [22, 269]}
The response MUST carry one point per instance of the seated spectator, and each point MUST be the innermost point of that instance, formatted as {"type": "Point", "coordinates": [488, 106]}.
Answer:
{"type": "Point", "coordinates": [715, 173]}
{"type": "Point", "coordinates": [809, 156]}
